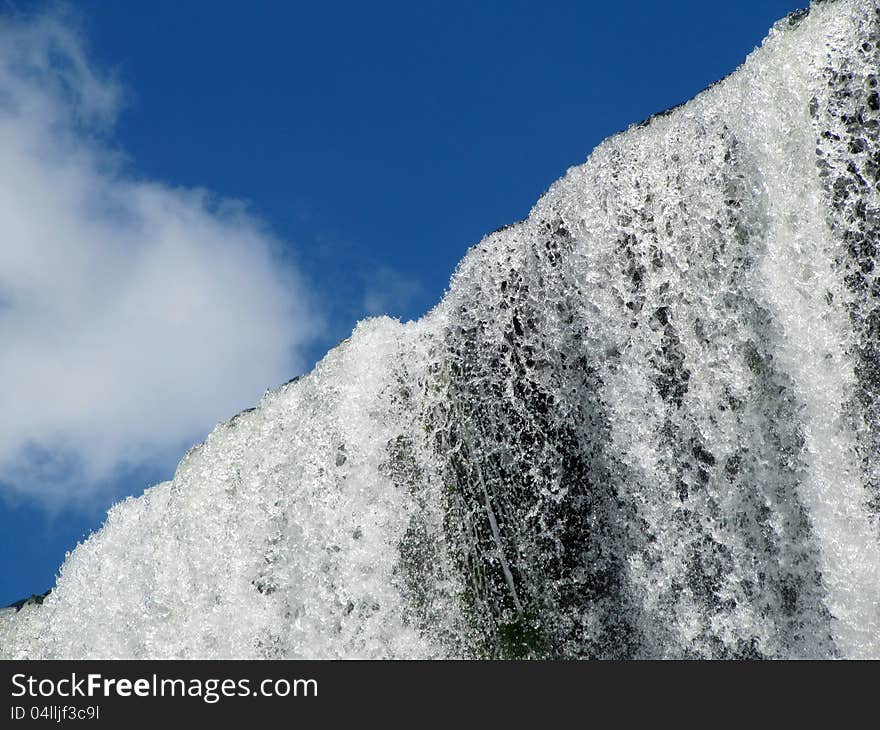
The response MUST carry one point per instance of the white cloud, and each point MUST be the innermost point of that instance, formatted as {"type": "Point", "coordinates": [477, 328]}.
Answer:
{"type": "Point", "coordinates": [133, 315]}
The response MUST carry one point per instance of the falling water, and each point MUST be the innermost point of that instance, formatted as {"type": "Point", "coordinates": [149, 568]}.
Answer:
{"type": "Point", "coordinates": [643, 422]}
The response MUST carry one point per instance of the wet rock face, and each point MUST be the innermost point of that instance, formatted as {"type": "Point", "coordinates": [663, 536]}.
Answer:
{"type": "Point", "coordinates": [643, 422]}
{"type": "Point", "coordinates": [531, 496]}
{"type": "Point", "coordinates": [846, 120]}
{"type": "Point", "coordinates": [544, 491]}
{"type": "Point", "coordinates": [641, 306]}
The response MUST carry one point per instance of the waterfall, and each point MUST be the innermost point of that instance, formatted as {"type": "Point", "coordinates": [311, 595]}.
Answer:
{"type": "Point", "coordinates": [642, 423]}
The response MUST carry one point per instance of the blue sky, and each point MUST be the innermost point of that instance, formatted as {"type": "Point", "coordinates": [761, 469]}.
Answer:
{"type": "Point", "coordinates": [206, 196]}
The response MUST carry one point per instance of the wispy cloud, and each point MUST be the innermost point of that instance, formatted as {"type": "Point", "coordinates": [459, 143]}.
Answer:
{"type": "Point", "coordinates": [387, 291]}
{"type": "Point", "coordinates": [133, 315]}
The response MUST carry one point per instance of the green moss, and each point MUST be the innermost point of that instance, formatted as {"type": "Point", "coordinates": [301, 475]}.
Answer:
{"type": "Point", "coordinates": [522, 638]}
